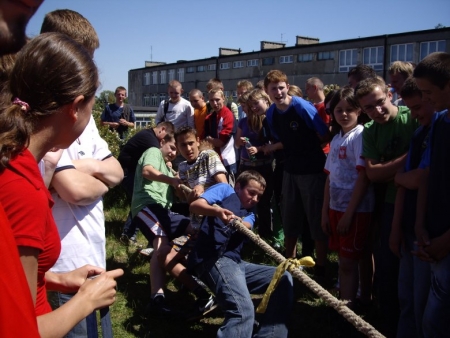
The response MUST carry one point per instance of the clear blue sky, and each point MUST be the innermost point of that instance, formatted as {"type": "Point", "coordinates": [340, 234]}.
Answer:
{"type": "Point", "coordinates": [133, 31]}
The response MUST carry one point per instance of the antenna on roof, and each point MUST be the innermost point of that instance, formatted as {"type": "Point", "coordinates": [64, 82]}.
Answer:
{"type": "Point", "coordinates": [151, 53]}
{"type": "Point", "coordinates": [282, 41]}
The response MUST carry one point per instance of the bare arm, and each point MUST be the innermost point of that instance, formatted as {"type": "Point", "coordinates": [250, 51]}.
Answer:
{"type": "Point", "coordinates": [237, 139]}
{"type": "Point", "coordinates": [153, 174]}
{"type": "Point", "coordinates": [326, 208]}
{"type": "Point", "coordinates": [409, 180]}
{"type": "Point", "coordinates": [108, 171]}
{"type": "Point", "coordinates": [396, 236]}
{"type": "Point", "coordinates": [384, 172]}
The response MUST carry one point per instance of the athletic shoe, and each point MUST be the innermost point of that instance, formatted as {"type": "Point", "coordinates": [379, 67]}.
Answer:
{"type": "Point", "coordinates": [147, 252]}
{"type": "Point", "coordinates": [202, 307]}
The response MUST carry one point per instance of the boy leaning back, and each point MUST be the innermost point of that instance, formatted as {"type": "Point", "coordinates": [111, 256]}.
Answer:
{"type": "Point", "coordinates": [216, 260]}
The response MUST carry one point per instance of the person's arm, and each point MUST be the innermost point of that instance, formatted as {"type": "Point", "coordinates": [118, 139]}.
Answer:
{"type": "Point", "coordinates": [419, 228]}
{"type": "Point", "coordinates": [152, 174]}
{"type": "Point", "coordinates": [201, 207]}
{"type": "Point", "coordinates": [270, 148]}
{"type": "Point", "coordinates": [396, 236]}
{"type": "Point", "coordinates": [160, 113]}
{"type": "Point", "coordinates": [190, 116]}
{"type": "Point", "coordinates": [104, 119]}
{"type": "Point", "coordinates": [439, 247]}
{"type": "Point", "coordinates": [325, 208]}
{"type": "Point", "coordinates": [108, 171]}
{"type": "Point", "coordinates": [71, 281]}
{"type": "Point", "coordinates": [384, 172]}
{"type": "Point", "coordinates": [409, 180]}
{"type": "Point", "coordinates": [50, 161]}
{"type": "Point", "coordinates": [237, 140]}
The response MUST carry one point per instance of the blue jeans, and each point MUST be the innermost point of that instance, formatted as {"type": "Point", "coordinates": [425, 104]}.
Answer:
{"type": "Point", "coordinates": [232, 284]}
{"type": "Point", "coordinates": [127, 184]}
{"type": "Point", "coordinates": [436, 319]}
{"type": "Point", "coordinates": [413, 289]}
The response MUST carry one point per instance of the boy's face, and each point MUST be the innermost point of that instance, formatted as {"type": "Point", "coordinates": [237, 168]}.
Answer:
{"type": "Point", "coordinates": [120, 95]}
{"type": "Point", "coordinates": [175, 93]}
{"type": "Point", "coordinates": [216, 101]}
{"type": "Point", "coordinates": [278, 93]}
{"type": "Point", "coordinates": [250, 194]}
{"type": "Point", "coordinates": [421, 110]}
{"type": "Point", "coordinates": [397, 81]}
{"type": "Point", "coordinates": [378, 106]}
{"type": "Point", "coordinates": [437, 97]}
{"type": "Point", "coordinates": [240, 91]}
{"type": "Point", "coordinates": [168, 150]}
{"type": "Point", "coordinates": [187, 145]}
{"type": "Point", "coordinates": [310, 90]}
{"type": "Point", "coordinates": [196, 101]}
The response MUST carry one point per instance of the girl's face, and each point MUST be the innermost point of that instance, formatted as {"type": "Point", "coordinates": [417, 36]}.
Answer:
{"type": "Point", "coordinates": [346, 115]}
{"type": "Point", "coordinates": [259, 107]}
{"type": "Point", "coordinates": [168, 150]}
{"type": "Point", "coordinates": [216, 101]}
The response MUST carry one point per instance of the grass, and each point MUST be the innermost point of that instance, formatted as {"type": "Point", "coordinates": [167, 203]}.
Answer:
{"type": "Point", "coordinates": [311, 317]}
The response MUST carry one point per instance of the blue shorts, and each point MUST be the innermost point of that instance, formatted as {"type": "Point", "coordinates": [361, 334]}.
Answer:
{"type": "Point", "coordinates": [157, 221]}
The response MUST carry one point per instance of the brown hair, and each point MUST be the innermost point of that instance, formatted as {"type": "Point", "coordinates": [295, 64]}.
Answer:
{"type": "Point", "coordinates": [367, 86]}
{"type": "Point", "coordinates": [185, 131]}
{"type": "Point", "coordinates": [255, 121]}
{"type": "Point", "coordinates": [400, 67]}
{"type": "Point", "coordinates": [245, 177]}
{"type": "Point", "coordinates": [435, 68]}
{"type": "Point", "coordinates": [275, 76]}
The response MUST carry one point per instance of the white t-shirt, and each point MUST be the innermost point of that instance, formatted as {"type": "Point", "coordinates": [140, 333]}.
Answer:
{"type": "Point", "coordinates": [181, 114]}
{"type": "Point", "coordinates": [343, 162]}
{"type": "Point", "coordinates": [81, 227]}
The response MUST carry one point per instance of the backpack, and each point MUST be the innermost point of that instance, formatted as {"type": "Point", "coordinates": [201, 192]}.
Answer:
{"type": "Point", "coordinates": [166, 108]}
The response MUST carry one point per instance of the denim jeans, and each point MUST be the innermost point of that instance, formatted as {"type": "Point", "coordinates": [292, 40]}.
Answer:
{"type": "Point", "coordinates": [413, 289]}
{"type": "Point", "coordinates": [436, 319]}
{"type": "Point", "coordinates": [233, 283]}
{"type": "Point", "coordinates": [127, 184]}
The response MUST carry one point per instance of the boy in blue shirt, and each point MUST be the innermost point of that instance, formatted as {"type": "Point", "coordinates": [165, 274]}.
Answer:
{"type": "Point", "coordinates": [216, 260]}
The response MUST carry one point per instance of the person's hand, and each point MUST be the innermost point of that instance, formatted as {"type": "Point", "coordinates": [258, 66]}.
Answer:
{"type": "Point", "coordinates": [244, 140]}
{"type": "Point", "coordinates": [101, 290]}
{"type": "Point", "coordinates": [225, 215]}
{"type": "Point", "coordinates": [268, 149]}
{"type": "Point", "coordinates": [195, 193]}
{"type": "Point", "coordinates": [252, 150]}
{"type": "Point", "coordinates": [422, 242]}
{"type": "Point", "coordinates": [326, 223]}
{"type": "Point", "coordinates": [114, 125]}
{"type": "Point", "coordinates": [439, 248]}
{"type": "Point", "coordinates": [396, 241]}
{"type": "Point", "coordinates": [71, 281]}
{"type": "Point", "coordinates": [344, 223]}
{"type": "Point", "coordinates": [169, 165]}
{"type": "Point", "coordinates": [175, 182]}
{"type": "Point", "coordinates": [52, 157]}
{"type": "Point", "coordinates": [123, 122]}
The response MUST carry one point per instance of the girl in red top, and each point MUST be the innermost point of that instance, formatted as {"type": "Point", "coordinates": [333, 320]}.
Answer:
{"type": "Point", "coordinates": [52, 86]}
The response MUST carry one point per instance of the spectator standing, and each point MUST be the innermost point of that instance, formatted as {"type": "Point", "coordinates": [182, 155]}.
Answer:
{"type": "Point", "coordinates": [119, 116]}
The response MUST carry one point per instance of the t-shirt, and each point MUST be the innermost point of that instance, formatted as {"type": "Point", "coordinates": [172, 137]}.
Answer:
{"type": "Point", "coordinates": [27, 203]}
{"type": "Point", "coordinates": [17, 316]}
{"type": "Point", "coordinates": [385, 142]}
{"type": "Point", "coordinates": [113, 113]}
{"type": "Point", "coordinates": [256, 140]}
{"type": "Point", "coordinates": [151, 192]}
{"type": "Point", "coordinates": [81, 227]}
{"type": "Point", "coordinates": [325, 118]}
{"type": "Point", "coordinates": [181, 113]}
{"type": "Point", "coordinates": [203, 170]}
{"type": "Point", "coordinates": [297, 128]}
{"type": "Point", "coordinates": [199, 119]}
{"type": "Point", "coordinates": [135, 147]}
{"type": "Point", "coordinates": [343, 163]}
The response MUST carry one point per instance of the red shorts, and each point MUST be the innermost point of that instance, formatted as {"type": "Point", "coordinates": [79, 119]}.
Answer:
{"type": "Point", "coordinates": [350, 245]}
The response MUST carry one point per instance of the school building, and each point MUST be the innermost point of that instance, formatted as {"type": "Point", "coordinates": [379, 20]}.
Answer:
{"type": "Point", "coordinates": [330, 61]}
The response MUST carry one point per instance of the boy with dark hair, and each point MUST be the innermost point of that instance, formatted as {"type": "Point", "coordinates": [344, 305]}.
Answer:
{"type": "Point", "coordinates": [216, 260]}
{"type": "Point", "coordinates": [432, 229]}
{"type": "Point", "coordinates": [296, 123]}
{"type": "Point", "coordinates": [414, 274]}
{"type": "Point", "coordinates": [385, 143]}
{"type": "Point", "coordinates": [119, 116]}
{"type": "Point", "coordinates": [359, 73]}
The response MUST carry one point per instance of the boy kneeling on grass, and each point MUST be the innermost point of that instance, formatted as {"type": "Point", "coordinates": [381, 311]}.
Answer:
{"type": "Point", "coordinates": [216, 260]}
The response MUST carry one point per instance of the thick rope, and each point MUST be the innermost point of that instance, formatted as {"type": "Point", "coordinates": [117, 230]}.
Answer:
{"type": "Point", "coordinates": [339, 306]}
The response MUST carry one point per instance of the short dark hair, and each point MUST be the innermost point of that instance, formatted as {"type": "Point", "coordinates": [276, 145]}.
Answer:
{"type": "Point", "coordinates": [362, 72]}
{"type": "Point", "coordinates": [184, 131]}
{"type": "Point", "coordinates": [245, 177]}
{"type": "Point", "coordinates": [435, 68]}
{"type": "Point", "coordinates": [410, 89]}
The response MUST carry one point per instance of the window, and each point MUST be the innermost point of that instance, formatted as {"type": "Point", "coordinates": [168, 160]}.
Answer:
{"type": "Point", "coordinates": [234, 94]}
{"type": "Point", "coordinates": [163, 76]}
{"type": "Point", "coordinates": [225, 65]}
{"type": "Point", "coordinates": [431, 47]}
{"type": "Point", "coordinates": [253, 63]}
{"type": "Point", "coordinates": [286, 59]}
{"type": "Point", "coordinates": [181, 74]}
{"type": "Point", "coordinates": [171, 74]}
{"type": "Point", "coordinates": [190, 70]}
{"type": "Point", "coordinates": [142, 122]}
{"type": "Point", "coordinates": [305, 57]}
{"type": "Point", "coordinates": [403, 52]}
{"type": "Point", "coordinates": [212, 66]}
{"type": "Point", "coordinates": [201, 68]}
{"type": "Point", "coordinates": [146, 100]}
{"type": "Point", "coordinates": [154, 100]}
{"type": "Point", "coordinates": [325, 56]}
{"type": "Point", "coordinates": [238, 64]}
{"type": "Point", "coordinates": [268, 61]}
{"type": "Point", "coordinates": [373, 56]}
{"type": "Point", "coordinates": [155, 77]}
{"type": "Point", "coordinates": [162, 97]}
{"type": "Point", "coordinates": [347, 59]}
{"type": "Point", "coordinates": [146, 79]}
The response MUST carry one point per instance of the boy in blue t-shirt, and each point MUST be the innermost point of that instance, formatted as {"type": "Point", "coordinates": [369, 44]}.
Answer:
{"type": "Point", "coordinates": [216, 260]}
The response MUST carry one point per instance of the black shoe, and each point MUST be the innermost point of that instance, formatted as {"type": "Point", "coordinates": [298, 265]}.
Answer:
{"type": "Point", "coordinates": [156, 308]}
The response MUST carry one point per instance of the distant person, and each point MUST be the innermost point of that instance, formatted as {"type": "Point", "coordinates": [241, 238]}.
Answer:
{"type": "Point", "coordinates": [399, 71]}
{"type": "Point", "coordinates": [295, 91]}
{"type": "Point", "coordinates": [119, 116]}
{"type": "Point", "coordinates": [215, 82]}
{"type": "Point", "coordinates": [242, 87]}
{"type": "Point", "coordinates": [359, 73]}
{"type": "Point", "coordinates": [200, 111]}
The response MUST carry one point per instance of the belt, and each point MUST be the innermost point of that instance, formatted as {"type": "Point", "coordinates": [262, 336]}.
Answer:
{"type": "Point", "coordinates": [256, 163]}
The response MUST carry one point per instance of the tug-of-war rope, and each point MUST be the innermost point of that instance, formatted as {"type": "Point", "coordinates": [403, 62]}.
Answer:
{"type": "Point", "coordinates": [292, 266]}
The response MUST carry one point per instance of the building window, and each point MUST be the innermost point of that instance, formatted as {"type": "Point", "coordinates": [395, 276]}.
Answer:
{"type": "Point", "coordinates": [305, 57]}
{"type": "Point", "coordinates": [163, 76]}
{"type": "Point", "coordinates": [146, 100]}
{"type": "Point", "coordinates": [146, 79]}
{"type": "Point", "coordinates": [325, 56]}
{"type": "Point", "coordinates": [181, 74]}
{"type": "Point", "coordinates": [155, 77]}
{"type": "Point", "coordinates": [142, 122]}
{"type": "Point", "coordinates": [171, 74]}
{"type": "Point", "coordinates": [162, 97]}
{"type": "Point", "coordinates": [373, 56]}
{"type": "Point", "coordinates": [234, 94]}
{"type": "Point", "coordinates": [431, 47]}
{"type": "Point", "coordinates": [225, 65]}
{"type": "Point", "coordinates": [347, 59]}
{"type": "Point", "coordinates": [154, 100]}
{"type": "Point", "coordinates": [190, 70]}
{"type": "Point", "coordinates": [253, 63]}
{"type": "Point", "coordinates": [201, 68]}
{"type": "Point", "coordinates": [287, 59]}
{"type": "Point", "coordinates": [238, 64]}
{"type": "Point", "coordinates": [212, 66]}
{"type": "Point", "coordinates": [268, 61]}
{"type": "Point", "coordinates": [403, 52]}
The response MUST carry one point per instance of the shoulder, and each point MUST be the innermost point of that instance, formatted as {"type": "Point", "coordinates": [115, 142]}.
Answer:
{"type": "Point", "coordinates": [217, 193]}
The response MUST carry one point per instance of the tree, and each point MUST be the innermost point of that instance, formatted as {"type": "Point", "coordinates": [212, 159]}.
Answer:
{"type": "Point", "coordinates": [105, 97]}
{"type": "Point", "coordinates": [439, 25]}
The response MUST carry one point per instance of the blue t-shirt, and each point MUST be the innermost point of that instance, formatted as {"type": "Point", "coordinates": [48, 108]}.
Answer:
{"type": "Point", "coordinates": [255, 139]}
{"type": "Point", "coordinates": [113, 113]}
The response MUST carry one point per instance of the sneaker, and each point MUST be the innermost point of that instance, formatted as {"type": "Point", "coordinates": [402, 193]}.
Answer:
{"type": "Point", "coordinates": [147, 252]}
{"type": "Point", "coordinates": [202, 307]}
{"type": "Point", "coordinates": [156, 308]}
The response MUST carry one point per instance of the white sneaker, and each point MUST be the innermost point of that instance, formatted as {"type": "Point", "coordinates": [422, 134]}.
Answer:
{"type": "Point", "coordinates": [147, 252]}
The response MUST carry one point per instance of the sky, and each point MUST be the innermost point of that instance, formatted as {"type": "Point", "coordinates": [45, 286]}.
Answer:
{"type": "Point", "coordinates": [134, 31]}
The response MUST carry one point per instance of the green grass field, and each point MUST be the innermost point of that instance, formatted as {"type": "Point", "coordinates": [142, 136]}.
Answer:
{"type": "Point", "coordinates": [310, 317]}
